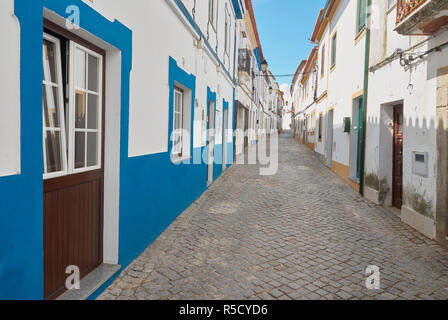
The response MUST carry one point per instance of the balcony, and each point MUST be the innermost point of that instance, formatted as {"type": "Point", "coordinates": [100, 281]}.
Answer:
{"type": "Point", "coordinates": [421, 17]}
{"type": "Point", "coordinates": [244, 64]}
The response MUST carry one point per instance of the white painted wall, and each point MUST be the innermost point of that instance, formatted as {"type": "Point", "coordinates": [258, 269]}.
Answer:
{"type": "Point", "coordinates": [340, 84]}
{"type": "Point", "coordinates": [159, 31]}
{"type": "Point", "coordinates": [416, 88]}
{"type": "Point", "coordinates": [346, 79]}
{"type": "Point", "coordinates": [9, 90]}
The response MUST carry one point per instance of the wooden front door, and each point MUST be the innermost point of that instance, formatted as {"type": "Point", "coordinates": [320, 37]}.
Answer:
{"type": "Point", "coordinates": [73, 140]}
{"type": "Point", "coordinates": [398, 157]}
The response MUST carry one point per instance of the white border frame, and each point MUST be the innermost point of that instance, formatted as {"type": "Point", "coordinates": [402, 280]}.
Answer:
{"type": "Point", "coordinates": [71, 151]}
{"type": "Point", "coordinates": [63, 131]}
{"type": "Point", "coordinates": [181, 154]}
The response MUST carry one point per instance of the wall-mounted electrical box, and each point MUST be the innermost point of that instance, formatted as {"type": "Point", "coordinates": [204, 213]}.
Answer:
{"type": "Point", "coordinates": [420, 163]}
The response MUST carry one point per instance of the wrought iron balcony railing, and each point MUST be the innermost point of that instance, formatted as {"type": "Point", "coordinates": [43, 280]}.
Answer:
{"type": "Point", "coordinates": [244, 62]}
{"type": "Point", "coordinates": [405, 8]}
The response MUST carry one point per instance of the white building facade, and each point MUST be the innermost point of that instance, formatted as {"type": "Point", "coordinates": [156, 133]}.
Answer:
{"type": "Point", "coordinates": [378, 115]}
{"type": "Point", "coordinates": [329, 90]}
{"type": "Point", "coordinates": [255, 94]}
{"type": "Point", "coordinates": [406, 113]}
{"type": "Point", "coordinates": [137, 121]}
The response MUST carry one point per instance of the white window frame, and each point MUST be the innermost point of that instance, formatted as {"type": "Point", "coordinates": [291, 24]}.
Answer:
{"type": "Point", "coordinates": [68, 155]}
{"type": "Point", "coordinates": [59, 85]}
{"type": "Point", "coordinates": [227, 33]}
{"type": "Point", "coordinates": [211, 13]}
{"type": "Point", "coordinates": [72, 106]}
{"type": "Point", "coordinates": [178, 91]}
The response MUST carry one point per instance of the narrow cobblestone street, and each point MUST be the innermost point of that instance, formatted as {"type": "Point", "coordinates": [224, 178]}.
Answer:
{"type": "Point", "coordinates": [300, 234]}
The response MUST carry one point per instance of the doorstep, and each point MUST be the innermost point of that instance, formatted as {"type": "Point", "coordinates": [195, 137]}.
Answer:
{"type": "Point", "coordinates": [394, 210]}
{"type": "Point", "coordinates": [92, 282]}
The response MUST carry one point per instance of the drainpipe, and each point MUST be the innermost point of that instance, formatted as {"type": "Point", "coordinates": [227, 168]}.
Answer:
{"type": "Point", "coordinates": [363, 113]}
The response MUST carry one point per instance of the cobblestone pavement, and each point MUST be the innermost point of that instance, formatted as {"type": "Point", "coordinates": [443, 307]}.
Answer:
{"type": "Point", "coordinates": [300, 234]}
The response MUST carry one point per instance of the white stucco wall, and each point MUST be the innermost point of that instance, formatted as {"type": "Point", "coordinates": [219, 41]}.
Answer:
{"type": "Point", "coordinates": [347, 77]}
{"type": "Point", "coordinates": [9, 90]}
{"type": "Point", "coordinates": [335, 86]}
{"type": "Point", "coordinates": [415, 87]}
{"type": "Point", "coordinates": [159, 31]}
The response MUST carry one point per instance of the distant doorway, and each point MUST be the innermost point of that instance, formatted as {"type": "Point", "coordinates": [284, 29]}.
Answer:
{"type": "Point", "coordinates": [224, 138]}
{"type": "Point", "coordinates": [211, 141]}
{"type": "Point", "coordinates": [397, 176]}
{"type": "Point", "coordinates": [246, 128]}
{"type": "Point", "coordinates": [355, 142]}
{"type": "Point", "coordinates": [330, 138]}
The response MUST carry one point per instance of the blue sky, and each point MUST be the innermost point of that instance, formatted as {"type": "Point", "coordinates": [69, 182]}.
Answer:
{"type": "Point", "coordinates": [285, 27]}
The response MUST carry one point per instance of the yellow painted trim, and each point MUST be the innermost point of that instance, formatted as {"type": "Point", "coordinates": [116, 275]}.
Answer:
{"type": "Point", "coordinates": [360, 35]}
{"type": "Point", "coordinates": [327, 21]}
{"type": "Point", "coordinates": [307, 75]}
{"type": "Point", "coordinates": [333, 67]}
{"type": "Point", "coordinates": [330, 108]}
{"type": "Point", "coordinates": [357, 94]}
{"type": "Point", "coordinates": [322, 96]}
{"type": "Point", "coordinates": [310, 145]}
{"type": "Point", "coordinates": [335, 7]}
{"type": "Point", "coordinates": [322, 29]}
{"type": "Point", "coordinates": [344, 172]}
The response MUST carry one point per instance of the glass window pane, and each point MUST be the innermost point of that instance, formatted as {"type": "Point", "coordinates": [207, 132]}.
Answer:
{"type": "Point", "coordinates": [362, 12]}
{"type": "Point", "coordinates": [93, 82]}
{"type": "Point", "coordinates": [51, 107]}
{"type": "Point", "coordinates": [80, 110]}
{"type": "Point", "coordinates": [92, 149]}
{"type": "Point", "coordinates": [53, 151]}
{"type": "Point", "coordinates": [178, 102]}
{"type": "Point", "coordinates": [80, 143]}
{"type": "Point", "coordinates": [177, 143]}
{"type": "Point", "coordinates": [177, 121]}
{"type": "Point", "coordinates": [80, 69]}
{"type": "Point", "coordinates": [93, 115]}
{"type": "Point", "coordinates": [333, 50]}
{"type": "Point", "coordinates": [49, 62]}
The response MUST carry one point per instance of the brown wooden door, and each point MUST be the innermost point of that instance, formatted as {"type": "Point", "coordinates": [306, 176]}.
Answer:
{"type": "Point", "coordinates": [73, 214]}
{"type": "Point", "coordinates": [398, 157]}
{"type": "Point", "coordinates": [73, 107]}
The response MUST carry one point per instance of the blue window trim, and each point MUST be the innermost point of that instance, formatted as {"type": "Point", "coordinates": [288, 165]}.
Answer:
{"type": "Point", "coordinates": [258, 57]}
{"type": "Point", "coordinates": [239, 8]}
{"type": "Point", "coordinates": [177, 74]}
